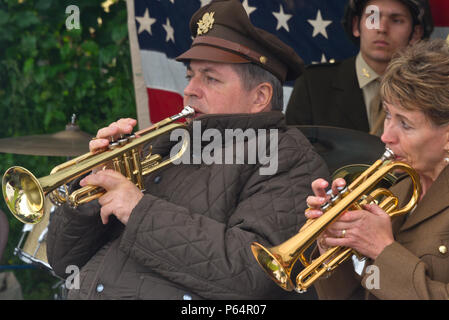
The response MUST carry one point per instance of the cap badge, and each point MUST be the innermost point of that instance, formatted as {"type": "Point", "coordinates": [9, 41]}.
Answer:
{"type": "Point", "coordinates": [205, 23]}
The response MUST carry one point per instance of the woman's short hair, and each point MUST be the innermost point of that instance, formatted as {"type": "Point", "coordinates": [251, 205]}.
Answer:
{"type": "Point", "coordinates": [417, 78]}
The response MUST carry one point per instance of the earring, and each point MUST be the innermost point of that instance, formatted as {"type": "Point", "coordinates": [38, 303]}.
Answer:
{"type": "Point", "coordinates": [446, 159]}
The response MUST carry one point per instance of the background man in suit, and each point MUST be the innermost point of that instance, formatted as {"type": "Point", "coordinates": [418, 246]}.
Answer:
{"type": "Point", "coordinates": [345, 94]}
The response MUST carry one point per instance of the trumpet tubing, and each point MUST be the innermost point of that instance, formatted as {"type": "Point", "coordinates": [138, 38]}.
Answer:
{"type": "Point", "coordinates": [24, 193]}
{"type": "Point", "coordinates": [278, 261]}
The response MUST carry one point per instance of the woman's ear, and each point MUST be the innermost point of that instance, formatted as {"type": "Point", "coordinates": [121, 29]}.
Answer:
{"type": "Point", "coordinates": [262, 96]}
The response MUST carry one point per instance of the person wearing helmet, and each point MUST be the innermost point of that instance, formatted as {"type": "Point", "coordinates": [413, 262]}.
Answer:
{"type": "Point", "coordinates": [345, 94]}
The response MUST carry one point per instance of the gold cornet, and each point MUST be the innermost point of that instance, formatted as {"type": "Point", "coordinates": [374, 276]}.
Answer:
{"type": "Point", "coordinates": [278, 261]}
{"type": "Point", "coordinates": [24, 193]}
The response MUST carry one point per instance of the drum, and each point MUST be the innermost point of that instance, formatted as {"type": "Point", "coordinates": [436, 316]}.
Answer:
{"type": "Point", "coordinates": [33, 238]}
{"type": "Point", "coordinates": [340, 147]}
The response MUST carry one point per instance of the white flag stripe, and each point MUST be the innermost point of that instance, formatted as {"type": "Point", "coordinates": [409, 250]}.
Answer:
{"type": "Point", "coordinates": [162, 73]}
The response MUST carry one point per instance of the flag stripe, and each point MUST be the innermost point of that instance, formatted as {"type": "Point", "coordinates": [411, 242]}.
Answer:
{"type": "Point", "coordinates": [171, 101]}
{"type": "Point", "coordinates": [440, 12]}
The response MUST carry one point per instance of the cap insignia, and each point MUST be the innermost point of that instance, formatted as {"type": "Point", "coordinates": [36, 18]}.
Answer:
{"type": "Point", "coordinates": [205, 23]}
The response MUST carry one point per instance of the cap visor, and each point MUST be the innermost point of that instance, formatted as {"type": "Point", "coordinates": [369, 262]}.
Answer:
{"type": "Point", "coordinates": [213, 54]}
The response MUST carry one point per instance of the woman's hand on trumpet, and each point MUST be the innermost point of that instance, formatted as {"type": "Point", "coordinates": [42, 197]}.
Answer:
{"type": "Point", "coordinates": [367, 231]}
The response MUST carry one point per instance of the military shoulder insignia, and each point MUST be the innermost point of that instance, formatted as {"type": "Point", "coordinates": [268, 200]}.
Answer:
{"type": "Point", "coordinates": [205, 23]}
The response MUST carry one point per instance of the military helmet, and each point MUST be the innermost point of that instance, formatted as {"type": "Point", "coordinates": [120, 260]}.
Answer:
{"type": "Point", "coordinates": [420, 10]}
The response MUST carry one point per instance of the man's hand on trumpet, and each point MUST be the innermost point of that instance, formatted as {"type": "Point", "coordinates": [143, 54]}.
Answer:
{"type": "Point", "coordinates": [112, 132]}
{"type": "Point", "coordinates": [367, 231]}
{"type": "Point", "coordinates": [121, 194]}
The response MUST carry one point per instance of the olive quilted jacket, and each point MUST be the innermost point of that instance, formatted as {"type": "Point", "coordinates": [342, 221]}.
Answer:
{"type": "Point", "coordinates": [190, 235]}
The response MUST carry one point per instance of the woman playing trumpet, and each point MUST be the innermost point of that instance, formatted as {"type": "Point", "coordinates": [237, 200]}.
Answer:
{"type": "Point", "coordinates": [409, 253]}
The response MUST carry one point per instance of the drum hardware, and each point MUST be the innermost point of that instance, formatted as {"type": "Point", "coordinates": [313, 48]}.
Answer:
{"type": "Point", "coordinates": [340, 146]}
{"type": "Point", "coordinates": [32, 246]}
{"type": "Point", "coordinates": [70, 142]}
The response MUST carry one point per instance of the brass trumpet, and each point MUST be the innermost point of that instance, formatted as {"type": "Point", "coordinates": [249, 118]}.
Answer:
{"type": "Point", "coordinates": [278, 261]}
{"type": "Point", "coordinates": [24, 193]}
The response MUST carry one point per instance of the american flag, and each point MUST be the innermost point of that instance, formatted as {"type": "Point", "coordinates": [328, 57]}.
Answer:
{"type": "Point", "coordinates": [159, 31]}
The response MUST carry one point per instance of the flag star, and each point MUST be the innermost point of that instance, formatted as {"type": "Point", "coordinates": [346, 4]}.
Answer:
{"type": "Point", "coordinates": [170, 32]}
{"type": "Point", "coordinates": [248, 9]}
{"type": "Point", "coordinates": [282, 19]}
{"type": "Point", "coordinates": [319, 25]}
{"type": "Point", "coordinates": [145, 22]}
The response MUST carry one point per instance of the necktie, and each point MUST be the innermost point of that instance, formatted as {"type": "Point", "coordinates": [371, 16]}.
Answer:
{"type": "Point", "coordinates": [377, 115]}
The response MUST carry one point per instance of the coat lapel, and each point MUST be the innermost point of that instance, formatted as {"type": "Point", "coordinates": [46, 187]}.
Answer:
{"type": "Point", "coordinates": [350, 102]}
{"type": "Point", "coordinates": [435, 200]}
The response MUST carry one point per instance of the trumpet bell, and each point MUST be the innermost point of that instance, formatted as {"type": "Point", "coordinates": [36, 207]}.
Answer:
{"type": "Point", "coordinates": [23, 195]}
{"type": "Point", "coordinates": [273, 264]}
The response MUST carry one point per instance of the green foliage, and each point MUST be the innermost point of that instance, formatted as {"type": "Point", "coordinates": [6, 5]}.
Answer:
{"type": "Point", "coordinates": [48, 73]}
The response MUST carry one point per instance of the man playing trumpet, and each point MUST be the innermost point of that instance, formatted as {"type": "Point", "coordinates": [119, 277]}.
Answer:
{"type": "Point", "coordinates": [187, 235]}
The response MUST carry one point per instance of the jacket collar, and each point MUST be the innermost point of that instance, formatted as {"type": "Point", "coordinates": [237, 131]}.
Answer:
{"type": "Point", "coordinates": [262, 120]}
{"type": "Point", "coordinates": [365, 74]}
{"type": "Point", "coordinates": [434, 201]}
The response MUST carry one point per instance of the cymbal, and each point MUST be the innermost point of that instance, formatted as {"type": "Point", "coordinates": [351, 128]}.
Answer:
{"type": "Point", "coordinates": [340, 146]}
{"type": "Point", "coordinates": [68, 143]}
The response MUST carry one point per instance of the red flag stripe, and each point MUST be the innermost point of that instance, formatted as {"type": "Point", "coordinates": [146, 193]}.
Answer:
{"type": "Point", "coordinates": [440, 12]}
{"type": "Point", "coordinates": [165, 104]}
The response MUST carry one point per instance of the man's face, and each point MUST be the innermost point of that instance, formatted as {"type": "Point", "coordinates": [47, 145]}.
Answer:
{"type": "Point", "coordinates": [215, 88]}
{"type": "Point", "coordinates": [395, 31]}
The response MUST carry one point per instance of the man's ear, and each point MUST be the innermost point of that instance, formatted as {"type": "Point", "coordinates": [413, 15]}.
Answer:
{"type": "Point", "coordinates": [262, 96]}
{"type": "Point", "coordinates": [446, 146]}
{"type": "Point", "coordinates": [417, 34]}
{"type": "Point", "coordinates": [355, 27]}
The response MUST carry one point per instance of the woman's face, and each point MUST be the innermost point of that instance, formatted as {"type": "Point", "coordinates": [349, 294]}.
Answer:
{"type": "Point", "coordinates": [415, 140]}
